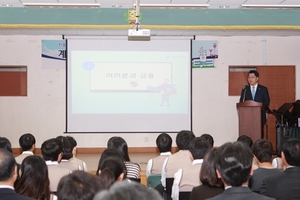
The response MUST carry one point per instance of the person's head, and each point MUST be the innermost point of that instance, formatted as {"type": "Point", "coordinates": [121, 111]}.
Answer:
{"type": "Point", "coordinates": [282, 141]}
{"type": "Point", "coordinates": [234, 163]}
{"type": "Point", "coordinates": [110, 153]}
{"type": "Point", "coordinates": [5, 144]}
{"type": "Point", "coordinates": [34, 172]}
{"type": "Point", "coordinates": [164, 142]}
{"type": "Point", "coordinates": [208, 175]}
{"type": "Point", "coordinates": [78, 185]}
{"type": "Point", "coordinates": [52, 150]}
{"type": "Point", "coordinates": [253, 77]}
{"type": "Point", "coordinates": [128, 191]}
{"type": "Point", "coordinates": [198, 147]}
{"type": "Point", "coordinates": [291, 152]}
{"type": "Point", "coordinates": [120, 145]}
{"type": "Point", "coordinates": [111, 170]}
{"type": "Point", "coordinates": [246, 140]}
{"type": "Point", "coordinates": [67, 149]}
{"type": "Point", "coordinates": [27, 142]}
{"type": "Point", "coordinates": [73, 144]}
{"type": "Point", "coordinates": [262, 150]}
{"type": "Point", "coordinates": [209, 138]}
{"type": "Point", "coordinates": [183, 139]}
{"type": "Point", "coordinates": [8, 167]}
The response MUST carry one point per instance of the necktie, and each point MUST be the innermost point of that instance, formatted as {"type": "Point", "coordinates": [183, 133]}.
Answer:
{"type": "Point", "coordinates": [253, 92]}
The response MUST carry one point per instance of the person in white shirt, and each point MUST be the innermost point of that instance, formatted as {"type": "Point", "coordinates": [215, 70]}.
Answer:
{"type": "Point", "coordinates": [8, 176]}
{"type": "Point", "coordinates": [186, 178]}
{"type": "Point", "coordinates": [52, 153]}
{"type": "Point", "coordinates": [74, 159]}
{"type": "Point", "coordinates": [164, 144]}
{"type": "Point", "coordinates": [27, 143]}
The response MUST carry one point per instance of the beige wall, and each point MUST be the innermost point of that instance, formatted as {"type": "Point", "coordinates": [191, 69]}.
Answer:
{"type": "Point", "coordinates": [42, 112]}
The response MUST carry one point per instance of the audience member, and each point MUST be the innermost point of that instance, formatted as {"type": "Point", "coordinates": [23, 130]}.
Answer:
{"type": "Point", "coordinates": [211, 185]}
{"type": "Point", "coordinates": [128, 191]}
{"type": "Point", "coordinates": [111, 170]}
{"type": "Point", "coordinates": [186, 178]}
{"type": "Point", "coordinates": [79, 185]}
{"type": "Point", "coordinates": [27, 144]}
{"type": "Point", "coordinates": [5, 144]}
{"type": "Point", "coordinates": [209, 138]}
{"type": "Point", "coordinates": [52, 153]}
{"type": "Point", "coordinates": [179, 159]}
{"type": "Point", "coordinates": [164, 144]}
{"type": "Point", "coordinates": [67, 155]}
{"type": "Point", "coordinates": [262, 151]}
{"type": "Point", "coordinates": [234, 167]}
{"type": "Point", "coordinates": [277, 161]}
{"type": "Point", "coordinates": [286, 185]}
{"type": "Point", "coordinates": [34, 181]}
{"type": "Point", "coordinates": [8, 176]}
{"type": "Point", "coordinates": [74, 159]}
{"type": "Point", "coordinates": [248, 141]}
{"type": "Point", "coordinates": [132, 169]}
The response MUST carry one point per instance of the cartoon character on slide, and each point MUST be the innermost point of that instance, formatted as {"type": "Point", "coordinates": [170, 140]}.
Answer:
{"type": "Point", "coordinates": [166, 90]}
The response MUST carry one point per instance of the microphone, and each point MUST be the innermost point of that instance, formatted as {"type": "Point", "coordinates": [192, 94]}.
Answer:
{"type": "Point", "coordinates": [244, 92]}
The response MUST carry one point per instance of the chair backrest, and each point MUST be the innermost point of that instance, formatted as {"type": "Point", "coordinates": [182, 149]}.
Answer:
{"type": "Point", "coordinates": [169, 184]}
{"type": "Point", "coordinates": [184, 195]}
{"type": "Point", "coordinates": [138, 180]}
{"type": "Point", "coordinates": [153, 180]}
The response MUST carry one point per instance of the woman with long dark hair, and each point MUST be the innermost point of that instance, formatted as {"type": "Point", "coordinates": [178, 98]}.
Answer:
{"type": "Point", "coordinates": [118, 143]}
{"type": "Point", "coordinates": [34, 181]}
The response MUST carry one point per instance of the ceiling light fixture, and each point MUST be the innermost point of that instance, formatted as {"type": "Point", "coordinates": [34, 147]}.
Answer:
{"type": "Point", "coordinates": [264, 6]}
{"type": "Point", "coordinates": [61, 5]}
{"type": "Point", "coordinates": [172, 5]}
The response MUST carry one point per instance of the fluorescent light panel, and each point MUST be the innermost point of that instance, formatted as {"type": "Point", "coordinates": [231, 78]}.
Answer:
{"type": "Point", "coordinates": [270, 6]}
{"type": "Point", "coordinates": [172, 5]}
{"type": "Point", "coordinates": [62, 5]}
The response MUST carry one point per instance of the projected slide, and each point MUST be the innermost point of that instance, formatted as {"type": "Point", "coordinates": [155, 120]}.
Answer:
{"type": "Point", "coordinates": [128, 76]}
{"type": "Point", "coordinates": [128, 87]}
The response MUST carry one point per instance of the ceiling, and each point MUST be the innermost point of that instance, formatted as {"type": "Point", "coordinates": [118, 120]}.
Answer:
{"type": "Point", "coordinates": [211, 4]}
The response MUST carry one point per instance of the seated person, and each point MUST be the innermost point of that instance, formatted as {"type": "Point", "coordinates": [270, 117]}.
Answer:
{"type": "Point", "coordinates": [27, 143]}
{"type": "Point", "coordinates": [277, 161]}
{"type": "Point", "coordinates": [210, 185]}
{"type": "Point", "coordinates": [164, 144]}
{"type": "Point", "coordinates": [34, 181]}
{"type": "Point", "coordinates": [79, 162]}
{"type": "Point", "coordinates": [67, 155]}
{"type": "Point", "coordinates": [179, 159]}
{"type": "Point", "coordinates": [52, 153]}
{"type": "Point", "coordinates": [285, 185]}
{"type": "Point", "coordinates": [248, 141]}
{"type": "Point", "coordinates": [209, 138]}
{"type": "Point", "coordinates": [234, 167]}
{"type": "Point", "coordinates": [132, 169]}
{"type": "Point", "coordinates": [262, 151]}
{"type": "Point", "coordinates": [8, 176]}
{"type": "Point", "coordinates": [186, 178]}
{"type": "Point", "coordinates": [79, 185]}
{"type": "Point", "coordinates": [125, 190]}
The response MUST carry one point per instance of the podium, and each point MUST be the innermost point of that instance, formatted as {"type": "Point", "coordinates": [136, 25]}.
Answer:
{"type": "Point", "coordinates": [250, 119]}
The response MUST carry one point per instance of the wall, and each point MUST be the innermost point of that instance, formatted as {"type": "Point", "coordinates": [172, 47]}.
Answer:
{"type": "Point", "coordinates": [42, 112]}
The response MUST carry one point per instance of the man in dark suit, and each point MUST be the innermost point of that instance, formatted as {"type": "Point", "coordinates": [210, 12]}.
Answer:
{"type": "Point", "coordinates": [234, 167]}
{"type": "Point", "coordinates": [286, 185]}
{"type": "Point", "coordinates": [8, 176]}
{"type": "Point", "coordinates": [256, 92]}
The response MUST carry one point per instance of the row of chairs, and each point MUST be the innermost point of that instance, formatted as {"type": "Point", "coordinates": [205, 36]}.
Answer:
{"type": "Point", "coordinates": [155, 180]}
